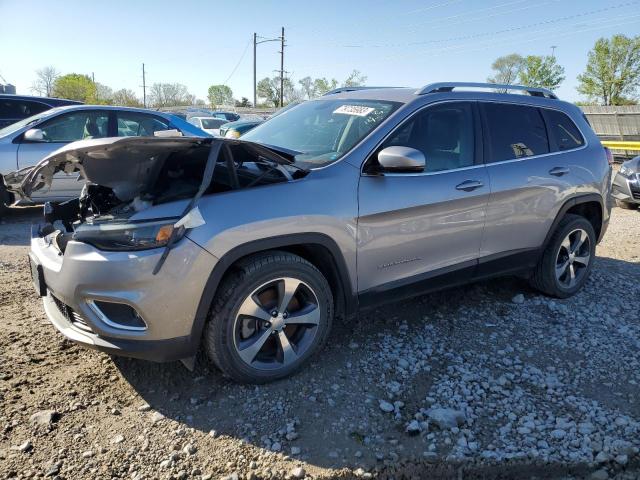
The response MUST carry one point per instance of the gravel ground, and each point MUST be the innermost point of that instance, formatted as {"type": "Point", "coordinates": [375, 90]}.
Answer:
{"type": "Point", "coordinates": [487, 380]}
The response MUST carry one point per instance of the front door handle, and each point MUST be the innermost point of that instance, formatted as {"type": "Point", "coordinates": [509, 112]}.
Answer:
{"type": "Point", "coordinates": [469, 185]}
{"type": "Point", "coordinates": [559, 171]}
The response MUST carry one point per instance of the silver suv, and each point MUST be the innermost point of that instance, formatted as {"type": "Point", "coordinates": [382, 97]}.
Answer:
{"type": "Point", "coordinates": [250, 248]}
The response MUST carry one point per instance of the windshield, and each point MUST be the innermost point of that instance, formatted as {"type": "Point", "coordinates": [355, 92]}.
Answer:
{"type": "Point", "coordinates": [213, 122]}
{"type": "Point", "coordinates": [322, 131]}
{"type": "Point", "coordinates": [14, 127]}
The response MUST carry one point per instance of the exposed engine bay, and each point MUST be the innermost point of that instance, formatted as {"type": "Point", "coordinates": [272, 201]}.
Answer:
{"type": "Point", "coordinates": [128, 175]}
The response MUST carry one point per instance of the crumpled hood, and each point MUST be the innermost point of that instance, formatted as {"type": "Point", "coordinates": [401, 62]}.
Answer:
{"type": "Point", "coordinates": [127, 165]}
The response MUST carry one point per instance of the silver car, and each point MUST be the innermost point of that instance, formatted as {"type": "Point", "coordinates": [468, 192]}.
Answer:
{"type": "Point", "coordinates": [626, 185]}
{"type": "Point", "coordinates": [251, 248]}
{"type": "Point", "coordinates": [24, 143]}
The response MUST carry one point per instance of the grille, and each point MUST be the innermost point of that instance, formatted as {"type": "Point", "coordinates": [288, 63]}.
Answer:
{"type": "Point", "coordinates": [635, 191]}
{"type": "Point", "coordinates": [71, 315]}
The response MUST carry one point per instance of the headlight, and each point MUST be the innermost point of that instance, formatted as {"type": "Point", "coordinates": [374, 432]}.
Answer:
{"type": "Point", "coordinates": [625, 171]}
{"type": "Point", "coordinates": [128, 236]}
{"type": "Point", "coordinates": [231, 133]}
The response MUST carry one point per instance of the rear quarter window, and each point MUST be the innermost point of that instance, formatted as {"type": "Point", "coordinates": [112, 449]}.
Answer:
{"type": "Point", "coordinates": [563, 133]}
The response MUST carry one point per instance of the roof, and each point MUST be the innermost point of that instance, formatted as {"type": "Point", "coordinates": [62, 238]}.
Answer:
{"type": "Point", "coordinates": [47, 100]}
{"type": "Point", "coordinates": [406, 95]}
{"type": "Point", "coordinates": [112, 107]}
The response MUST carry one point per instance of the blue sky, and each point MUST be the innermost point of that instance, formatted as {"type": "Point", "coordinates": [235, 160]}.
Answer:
{"type": "Point", "coordinates": [199, 43]}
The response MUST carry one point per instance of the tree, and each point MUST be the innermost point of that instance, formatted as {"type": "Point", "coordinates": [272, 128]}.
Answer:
{"type": "Point", "coordinates": [541, 71]}
{"type": "Point", "coordinates": [220, 95]}
{"type": "Point", "coordinates": [75, 86]}
{"type": "Point", "coordinates": [46, 77]}
{"type": "Point", "coordinates": [104, 94]}
{"type": "Point", "coordinates": [613, 70]}
{"type": "Point", "coordinates": [269, 89]}
{"type": "Point", "coordinates": [169, 95]}
{"type": "Point", "coordinates": [355, 79]}
{"type": "Point", "coordinates": [306, 85]}
{"type": "Point", "coordinates": [126, 98]}
{"type": "Point", "coordinates": [507, 69]}
{"type": "Point", "coordinates": [322, 85]}
{"type": "Point", "coordinates": [244, 102]}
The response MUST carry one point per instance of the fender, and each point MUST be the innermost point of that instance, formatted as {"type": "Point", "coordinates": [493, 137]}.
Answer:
{"type": "Point", "coordinates": [272, 243]}
{"type": "Point", "coordinates": [572, 202]}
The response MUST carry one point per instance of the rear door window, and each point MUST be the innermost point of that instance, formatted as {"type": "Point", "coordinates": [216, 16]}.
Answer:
{"type": "Point", "coordinates": [564, 134]}
{"type": "Point", "coordinates": [514, 131]}
{"type": "Point", "coordinates": [134, 124]}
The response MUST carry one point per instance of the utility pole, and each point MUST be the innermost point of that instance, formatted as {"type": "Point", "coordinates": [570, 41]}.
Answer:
{"type": "Point", "coordinates": [282, 68]}
{"type": "Point", "coordinates": [553, 51]}
{"type": "Point", "coordinates": [144, 88]}
{"type": "Point", "coordinates": [256, 42]}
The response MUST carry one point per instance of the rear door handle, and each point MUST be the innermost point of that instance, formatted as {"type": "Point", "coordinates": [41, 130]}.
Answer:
{"type": "Point", "coordinates": [559, 171]}
{"type": "Point", "coordinates": [469, 185]}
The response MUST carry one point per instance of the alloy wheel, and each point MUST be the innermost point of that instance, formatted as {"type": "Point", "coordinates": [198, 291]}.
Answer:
{"type": "Point", "coordinates": [573, 258]}
{"type": "Point", "coordinates": [276, 324]}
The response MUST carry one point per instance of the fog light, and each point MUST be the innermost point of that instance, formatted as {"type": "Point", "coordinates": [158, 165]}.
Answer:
{"type": "Point", "coordinates": [118, 315]}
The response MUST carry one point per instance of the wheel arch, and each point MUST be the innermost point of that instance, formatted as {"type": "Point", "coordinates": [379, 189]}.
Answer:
{"type": "Point", "coordinates": [589, 206]}
{"type": "Point", "coordinates": [319, 249]}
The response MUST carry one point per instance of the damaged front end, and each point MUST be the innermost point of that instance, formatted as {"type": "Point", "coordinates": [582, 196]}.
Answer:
{"type": "Point", "coordinates": [126, 176]}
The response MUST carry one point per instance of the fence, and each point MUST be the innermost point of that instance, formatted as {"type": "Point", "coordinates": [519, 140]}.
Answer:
{"type": "Point", "coordinates": [617, 126]}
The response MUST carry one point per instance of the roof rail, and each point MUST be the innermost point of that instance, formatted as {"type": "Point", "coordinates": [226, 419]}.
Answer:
{"type": "Point", "coordinates": [350, 89]}
{"type": "Point", "coordinates": [449, 86]}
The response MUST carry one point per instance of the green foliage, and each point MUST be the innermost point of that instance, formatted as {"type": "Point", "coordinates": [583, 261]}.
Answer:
{"type": "Point", "coordinates": [220, 95]}
{"type": "Point", "coordinates": [541, 71]}
{"type": "Point", "coordinates": [269, 89]}
{"type": "Point", "coordinates": [75, 86]}
{"type": "Point", "coordinates": [244, 102]}
{"type": "Point", "coordinates": [506, 69]}
{"type": "Point", "coordinates": [322, 86]}
{"type": "Point", "coordinates": [126, 98]}
{"type": "Point", "coordinates": [613, 70]}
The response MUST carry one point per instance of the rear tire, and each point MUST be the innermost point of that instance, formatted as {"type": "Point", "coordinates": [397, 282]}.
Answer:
{"type": "Point", "coordinates": [626, 205]}
{"type": "Point", "coordinates": [269, 317]}
{"type": "Point", "coordinates": [566, 262]}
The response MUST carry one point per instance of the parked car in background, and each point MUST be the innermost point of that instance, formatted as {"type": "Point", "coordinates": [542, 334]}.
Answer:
{"type": "Point", "coordinates": [14, 108]}
{"type": "Point", "coordinates": [249, 122]}
{"type": "Point", "coordinates": [25, 143]}
{"type": "Point", "coordinates": [235, 129]}
{"type": "Point", "coordinates": [210, 125]}
{"type": "Point", "coordinates": [229, 116]}
{"type": "Point", "coordinates": [348, 201]}
{"type": "Point", "coordinates": [626, 184]}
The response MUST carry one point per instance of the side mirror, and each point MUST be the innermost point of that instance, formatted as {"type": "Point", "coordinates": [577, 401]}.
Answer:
{"type": "Point", "coordinates": [34, 135]}
{"type": "Point", "coordinates": [401, 159]}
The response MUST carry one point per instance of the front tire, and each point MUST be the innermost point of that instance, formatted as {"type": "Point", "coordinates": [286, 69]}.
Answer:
{"type": "Point", "coordinates": [567, 260]}
{"type": "Point", "coordinates": [4, 199]}
{"type": "Point", "coordinates": [626, 205]}
{"type": "Point", "coordinates": [270, 316]}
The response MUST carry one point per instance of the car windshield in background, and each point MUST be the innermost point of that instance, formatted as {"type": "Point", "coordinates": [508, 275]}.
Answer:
{"type": "Point", "coordinates": [322, 131]}
{"type": "Point", "coordinates": [213, 122]}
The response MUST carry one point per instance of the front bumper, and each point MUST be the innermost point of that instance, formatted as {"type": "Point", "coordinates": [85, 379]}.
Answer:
{"type": "Point", "coordinates": [167, 302]}
{"type": "Point", "coordinates": [626, 189]}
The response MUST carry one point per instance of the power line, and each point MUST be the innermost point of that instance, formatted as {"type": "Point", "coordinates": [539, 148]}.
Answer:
{"type": "Point", "coordinates": [239, 61]}
{"type": "Point", "coordinates": [498, 32]}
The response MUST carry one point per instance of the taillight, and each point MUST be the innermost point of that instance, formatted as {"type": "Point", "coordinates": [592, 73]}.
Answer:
{"type": "Point", "coordinates": [609, 155]}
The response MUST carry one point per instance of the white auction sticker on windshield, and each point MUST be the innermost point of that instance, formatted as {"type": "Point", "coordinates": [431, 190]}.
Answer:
{"type": "Point", "coordinates": [358, 110]}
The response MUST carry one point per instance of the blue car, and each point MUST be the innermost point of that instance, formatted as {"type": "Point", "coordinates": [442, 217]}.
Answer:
{"type": "Point", "coordinates": [23, 144]}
